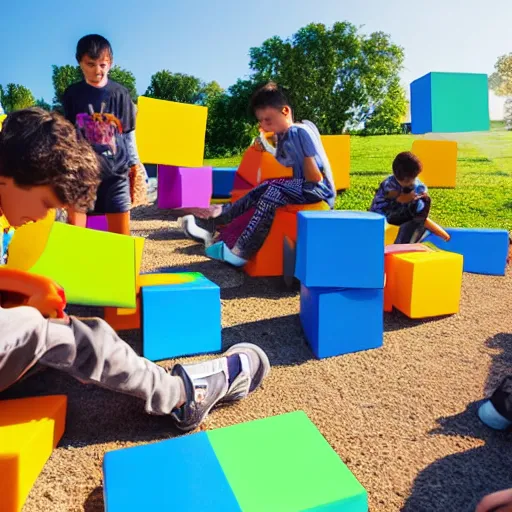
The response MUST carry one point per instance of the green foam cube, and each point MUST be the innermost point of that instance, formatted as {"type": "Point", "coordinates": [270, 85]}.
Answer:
{"type": "Point", "coordinates": [284, 464]}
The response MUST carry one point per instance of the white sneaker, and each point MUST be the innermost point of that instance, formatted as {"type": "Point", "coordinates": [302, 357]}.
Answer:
{"type": "Point", "coordinates": [195, 232]}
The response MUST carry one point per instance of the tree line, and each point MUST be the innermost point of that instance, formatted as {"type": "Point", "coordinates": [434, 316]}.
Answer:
{"type": "Point", "coordinates": [340, 79]}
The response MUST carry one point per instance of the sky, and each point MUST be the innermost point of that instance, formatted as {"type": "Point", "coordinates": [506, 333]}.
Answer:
{"type": "Point", "coordinates": [212, 41]}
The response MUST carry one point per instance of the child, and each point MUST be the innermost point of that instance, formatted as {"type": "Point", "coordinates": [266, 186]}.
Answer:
{"type": "Point", "coordinates": [403, 199]}
{"type": "Point", "coordinates": [96, 94]}
{"type": "Point", "coordinates": [44, 165]}
{"type": "Point", "coordinates": [298, 146]}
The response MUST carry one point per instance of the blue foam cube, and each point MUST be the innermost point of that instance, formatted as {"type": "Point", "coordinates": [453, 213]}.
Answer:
{"type": "Point", "coordinates": [341, 321]}
{"type": "Point", "coordinates": [485, 250]}
{"type": "Point", "coordinates": [223, 181]}
{"type": "Point", "coordinates": [340, 249]}
{"type": "Point", "coordinates": [177, 474]}
{"type": "Point", "coordinates": [181, 319]}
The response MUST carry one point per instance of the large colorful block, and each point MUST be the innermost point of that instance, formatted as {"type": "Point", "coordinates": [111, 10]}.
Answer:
{"type": "Point", "coordinates": [287, 473]}
{"type": "Point", "coordinates": [30, 428]}
{"type": "Point", "coordinates": [485, 250]}
{"type": "Point", "coordinates": [125, 319]}
{"type": "Point", "coordinates": [268, 261]}
{"type": "Point", "coordinates": [171, 133]}
{"type": "Point", "coordinates": [184, 187]}
{"type": "Point", "coordinates": [450, 102]}
{"type": "Point", "coordinates": [2, 118]}
{"type": "Point", "coordinates": [340, 321]}
{"type": "Point", "coordinates": [439, 160]}
{"type": "Point", "coordinates": [97, 222]}
{"type": "Point", "coordinates": [181, 319]}
{"type": "Point", "coordinates": [340, 249]}
{"type": "Point", "coordinates": [223, 181]}
{"type": "Point", "coordinates": [425, 284]}
{"type": "Point", "coordinates": [337, 148]}
{"type": "Point", "coordinates": [390, 233]}
{"type": "Point", "coordinates": [94, 268]}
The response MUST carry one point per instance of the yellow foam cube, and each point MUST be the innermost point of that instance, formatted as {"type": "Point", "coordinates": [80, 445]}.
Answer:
{"type": "Point", "coordinates": [390, 233]}
{"type": "Point", "coordinates": [337, 148]}
{"type": "Point", "coordinates": [170, 133]}
{"type": "Point", "coordinates": [425, 284]}
{"type": "Point", "coordinates": [439, 159]}
{"type": "Point", "coordinates": [30, 428]}
{"type": "Point", "coordinates": [2, 117]}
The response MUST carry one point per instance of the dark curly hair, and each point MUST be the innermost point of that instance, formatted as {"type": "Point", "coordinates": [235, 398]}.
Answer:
{"type": "Point", "coordinates": [406, 165]}
{"type": "Point", "coordinates": [40, 148]}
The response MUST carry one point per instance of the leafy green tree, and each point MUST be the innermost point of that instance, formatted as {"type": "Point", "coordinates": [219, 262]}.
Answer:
{"type": "Point", "coordinates": [41, 103]}
{"type": "Point", "coordinates": [334, 76]}
{"type": "Point", "coordinates": [16, 97]}
{"type": "Point", "coordinates": [387, 116]}
{"type": "Point", "coordinates": [124, 77]}
{"type": "Point", "coordinates": [501, 80]}
{"type": "Point", "coordinates": [178, 87]}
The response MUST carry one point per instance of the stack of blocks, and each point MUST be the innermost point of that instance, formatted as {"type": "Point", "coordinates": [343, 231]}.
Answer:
{"type": "Point", "coordinates": [168, 308]}
{"type": "Point", "coordinates": [340, 263]}
{"type": "Point", "coordinates": [30, 428]}
{"type": "Point", "coordinates": [172, 135]}
{"type": "Point", "coordinates": [291, 468]}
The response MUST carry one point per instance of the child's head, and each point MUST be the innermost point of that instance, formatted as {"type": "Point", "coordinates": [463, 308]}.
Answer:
{"type": "Point", "coordinates": [44, 165]}
{"type": "Point", "coordinates": [406, 168]}
{"type": "Point", "coordinates": [271, 108]}
{"type": "Point", "coordinates": [95, 57]}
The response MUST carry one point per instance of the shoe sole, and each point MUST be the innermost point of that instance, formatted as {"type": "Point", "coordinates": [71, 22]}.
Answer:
{"type": "Point", "coordinates": [264, 369]}
{"type": "Point", "coordinates": [196, 233]}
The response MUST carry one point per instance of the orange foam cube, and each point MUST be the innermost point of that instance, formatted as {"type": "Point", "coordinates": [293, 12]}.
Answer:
{"type": "Point", "coordinates": [30, 428]}
{"type": "Point", "coordinates": [337, 148]}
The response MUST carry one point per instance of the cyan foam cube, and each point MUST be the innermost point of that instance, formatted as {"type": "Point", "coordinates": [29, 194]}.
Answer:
{"type": "Point", "coordinates": [177, 474]}
{"type": "Point", "coordinates": [341, 321]}
{"type": "Point", "coordinates": [184, 187]}
{"type": "Point", "coordinates": [485, 250]}
{"type": "Point", "coordinates": [223, 181]}
{"type": "Point", "coordinates": [450, 102]}
{"type": "Point", "coordinates": [181, 319]}
{"type": "Point", "coordinates": [340, 249]}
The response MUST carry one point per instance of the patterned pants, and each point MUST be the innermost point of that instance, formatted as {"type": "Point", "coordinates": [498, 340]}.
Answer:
{"type": "Point", "coordinates": [264, 200]}
{"type": "Point", "coordinates": [411, 219]}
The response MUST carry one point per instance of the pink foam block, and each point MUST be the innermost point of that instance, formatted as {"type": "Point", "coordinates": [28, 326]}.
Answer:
{"type": "Point", "coordinates": [97, 222]}
{"type": "Point", "coordinates": [184, 187]}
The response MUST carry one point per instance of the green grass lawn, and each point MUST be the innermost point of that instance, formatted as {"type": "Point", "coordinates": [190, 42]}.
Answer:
{"type": "Point", "coordinates": [482, 198]}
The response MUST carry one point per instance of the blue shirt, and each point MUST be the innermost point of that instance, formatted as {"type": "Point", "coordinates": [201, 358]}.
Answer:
{"type": "Point", "coordinates": [388, 192]}
{"type": "Point", "coordinates": [298, 143]}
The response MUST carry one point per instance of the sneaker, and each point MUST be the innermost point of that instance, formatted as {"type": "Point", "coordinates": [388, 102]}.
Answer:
{"type": "Point", "coordinates": [221, 252]}
{"type": "Point", "coordinates": [207, 384]}
{"type": "Point", "coordinates": [195, 232]}
{"type": "Point", "coordinates": [492, 418]}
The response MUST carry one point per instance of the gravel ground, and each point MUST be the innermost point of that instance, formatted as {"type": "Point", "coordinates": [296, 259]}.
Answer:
{"type": "Point", "coordinates": [403, 417]}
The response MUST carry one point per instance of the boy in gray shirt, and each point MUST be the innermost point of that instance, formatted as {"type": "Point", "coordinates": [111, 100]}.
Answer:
{"type": "Point", "coordinates": [45, 165]}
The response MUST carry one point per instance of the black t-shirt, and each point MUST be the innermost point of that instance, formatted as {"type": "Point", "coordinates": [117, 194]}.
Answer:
{"type": "Point", "coordinates": [76, 100]}
{"type": "Point", "coordinates": [79, 96]}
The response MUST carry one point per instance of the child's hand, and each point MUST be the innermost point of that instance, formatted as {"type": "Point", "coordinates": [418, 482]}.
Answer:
{"type": "Point", "coordinates": [406, 198]}
{"type": "Point", "coordinates": [496, 502]}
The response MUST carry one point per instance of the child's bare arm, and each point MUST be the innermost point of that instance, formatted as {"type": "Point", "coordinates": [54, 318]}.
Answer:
{"type": "Point", "coordinates": [311, 171]}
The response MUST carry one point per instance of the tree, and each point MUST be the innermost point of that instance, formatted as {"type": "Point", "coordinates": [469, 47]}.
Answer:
{"type": "Point", "coordinates": [126, 78]}
{"type": "Point", "coordinates": [178, 87]}
{"type": "Point", "coordinates": [42, 104]}
{"type": "Point", "coordinates": [16, 97]}
{"type": "Point", "coordinates": [387, 116]}
{"type": "Point", "coordinates": [501, 80]}
{"type": "Point", "coordinates": [64, 76]}
{"type": "Point", "coordinates": [333, 76]}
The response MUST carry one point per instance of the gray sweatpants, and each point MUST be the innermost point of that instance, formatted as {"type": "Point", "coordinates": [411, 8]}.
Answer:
{"type": "Point", "coordinates": [87, 349]}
